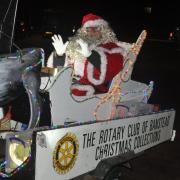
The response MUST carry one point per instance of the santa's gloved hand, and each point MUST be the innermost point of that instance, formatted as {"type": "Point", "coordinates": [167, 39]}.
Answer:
{"type": "Point", "coordinates": [58, 44]}
{"type": "Point", "coordinates": [84, 48]}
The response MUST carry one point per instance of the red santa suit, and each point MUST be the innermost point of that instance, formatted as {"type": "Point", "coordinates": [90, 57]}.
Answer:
{"type": "Point", "coordinates": [97, 79]}
{"type": "Point", "coordinates": [98, 70]}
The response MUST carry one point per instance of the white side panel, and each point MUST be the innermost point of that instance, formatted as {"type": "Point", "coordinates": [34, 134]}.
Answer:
{"type": "Point", "coordinates": [66, 107]}
{"type": "Point", "coordinates": [135, 91]}
{"type": "Point", "coordinates": [99, 141]}
{"type": "Point", "coordinates": [46, 82]}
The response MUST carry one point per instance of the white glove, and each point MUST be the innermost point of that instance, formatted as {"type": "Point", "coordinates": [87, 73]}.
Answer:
{"type": "Point", "coordinates": [84, 48]}
{"type": "Point", "coordinates": [58, 44]}
{"type": "Point", "coordinates": [50, 60]}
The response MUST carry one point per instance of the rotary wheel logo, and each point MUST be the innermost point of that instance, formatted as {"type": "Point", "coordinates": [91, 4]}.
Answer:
{"type": "Point", "coordinates": [65, 153]}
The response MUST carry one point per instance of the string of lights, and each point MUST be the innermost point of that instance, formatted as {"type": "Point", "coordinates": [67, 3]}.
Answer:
{"type": "Point", "coordinates": [19, 168]}
{"type": "Point", "coordinates": [114, 92]}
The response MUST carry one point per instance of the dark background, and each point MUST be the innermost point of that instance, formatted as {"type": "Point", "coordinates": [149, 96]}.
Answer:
{"type": "Point", "coordinates": [157, 61]}
{"type": "Point", "coordinates": [162, 17]}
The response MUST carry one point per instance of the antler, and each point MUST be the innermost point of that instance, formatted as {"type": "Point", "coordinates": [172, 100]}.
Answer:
{"type": "Point", "coordinates": [137, 46]}
{"type": "Point", "coordinates": [114, 92]}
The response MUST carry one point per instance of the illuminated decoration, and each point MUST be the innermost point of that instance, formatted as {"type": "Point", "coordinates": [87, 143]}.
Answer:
{"type": "Point", "coordinates": [19, 154]}
{"type": "Point", "coordinates": [65, 153]}
{"type": "Point", "coordinates": [49, 33]}
{"type": "Point", "coordinates": [19, 151]}
{"type": "Point", "coordinates": [2, 167]}
{"type": "Point", "coordinates": [148, 10]}
{"type": "Point", "coordinates": [7, 175]}
{"type": "Point", "coordinates": [34, 98]}
{"type": "Point", "coordinates": [122, 76]}
{"type": "Point", "coordinates": [5, 122]}
{"type": "Point", "coordinates": [26, 63]}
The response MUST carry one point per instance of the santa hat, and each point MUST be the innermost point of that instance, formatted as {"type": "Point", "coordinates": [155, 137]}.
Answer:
{"type": "Point", "coordinates": [92, 20]}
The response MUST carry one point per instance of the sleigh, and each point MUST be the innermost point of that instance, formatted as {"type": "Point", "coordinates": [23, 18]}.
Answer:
{"type": "Point", "coordinates": [69, 108]}
{"type": "Point", "coordinates": [89, 134]}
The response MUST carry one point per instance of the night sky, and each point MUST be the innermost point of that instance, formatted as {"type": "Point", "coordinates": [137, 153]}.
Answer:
{"type": "Point", "coordinates": [124, 17]}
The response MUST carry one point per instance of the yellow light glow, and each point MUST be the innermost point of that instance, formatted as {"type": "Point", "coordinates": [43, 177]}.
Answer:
{"type": "Point", "coordinates": [49, 33]}
{"type": "Point", "coordinates": [18, 153]}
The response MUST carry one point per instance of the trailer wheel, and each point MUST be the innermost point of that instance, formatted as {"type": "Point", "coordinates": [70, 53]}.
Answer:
{"type": "Point", "coordinates": [114, 174]}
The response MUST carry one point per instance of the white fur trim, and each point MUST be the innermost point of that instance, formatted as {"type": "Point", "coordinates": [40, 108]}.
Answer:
{"type": "Point", "coordinates": [125, 45]}
{"type": "Point", "coordinates": [79, 68]}
{"type": "Point", "coordinates": [95, 23]}
{"type": "Point", "coordinates": [88, 88]}
{"type": "Point", "coordinates": [114, 50]}
{"type": "Point", "coordinates": [50, 60]}
{"type": "Point", "coordinates": [68, 61]}
{"type": "Point", "coordinates": [103, 69]}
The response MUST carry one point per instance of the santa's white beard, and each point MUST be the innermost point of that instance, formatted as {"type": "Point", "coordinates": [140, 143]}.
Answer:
{"type": "Point", "coordinates": [107, 36]}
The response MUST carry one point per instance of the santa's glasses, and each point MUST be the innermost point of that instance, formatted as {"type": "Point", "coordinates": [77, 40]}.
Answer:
{"type": "Point", "coordinates": [92, 29]}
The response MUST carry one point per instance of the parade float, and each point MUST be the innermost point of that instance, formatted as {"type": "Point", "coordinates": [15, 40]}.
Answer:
{"type": "Point", "coordinates": [88, 133]}
{"type": "Point", "coordinates": [92, 134]}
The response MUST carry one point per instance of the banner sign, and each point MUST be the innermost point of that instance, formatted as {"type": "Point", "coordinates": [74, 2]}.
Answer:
{"type": "Point", "coordinates": [69, 152]}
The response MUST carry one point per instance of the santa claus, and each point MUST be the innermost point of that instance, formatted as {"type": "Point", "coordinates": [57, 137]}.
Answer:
{"type": "Point", "coordinates": [95, 54]}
